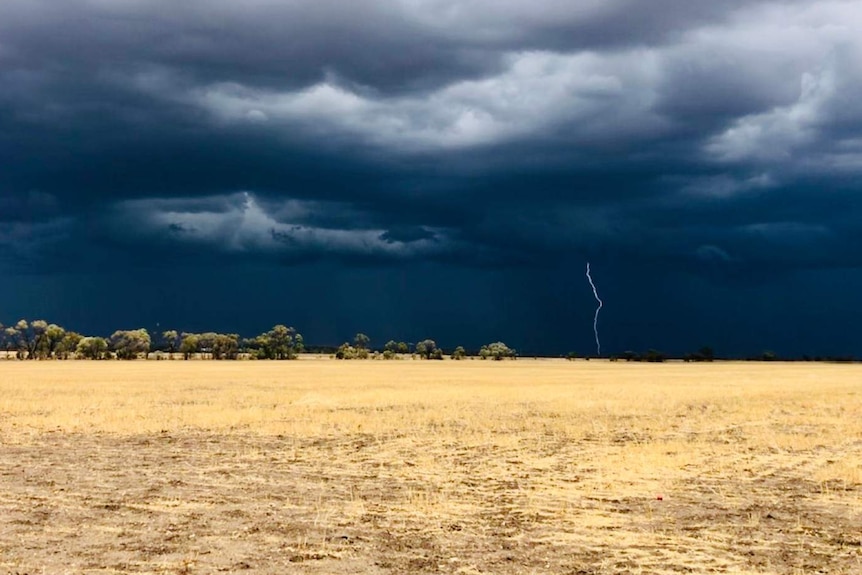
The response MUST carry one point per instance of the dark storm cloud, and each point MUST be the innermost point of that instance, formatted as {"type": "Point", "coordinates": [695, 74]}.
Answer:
{"type": "Point", "coordinates": [33, 205]}
{"type": "Point", "coordinates": [703, 136]}
{"type": "Point", "coordinates": [407, 234]}
{"type": "Point", "coordinates": [386, 44]}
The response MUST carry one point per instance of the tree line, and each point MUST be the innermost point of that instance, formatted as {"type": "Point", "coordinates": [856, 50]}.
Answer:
{"type": "Point", "coordinates": [425, 349]}
{"type": "Point", "coordinates": [38, 339]}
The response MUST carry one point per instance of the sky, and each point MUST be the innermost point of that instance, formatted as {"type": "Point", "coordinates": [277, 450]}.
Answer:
{"type": "Point", "coordinates": [438, 169]}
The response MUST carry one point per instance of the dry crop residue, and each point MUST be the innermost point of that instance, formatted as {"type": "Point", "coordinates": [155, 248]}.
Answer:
{"type": "Point", "coordinates": [419, 467]}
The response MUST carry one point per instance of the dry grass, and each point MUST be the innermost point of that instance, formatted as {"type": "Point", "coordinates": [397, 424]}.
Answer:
{"type": "Point", "coordinates": [320, 466]}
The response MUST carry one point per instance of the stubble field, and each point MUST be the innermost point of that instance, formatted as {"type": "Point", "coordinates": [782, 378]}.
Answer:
{"type": "Point", "coordinates": [319, 466]}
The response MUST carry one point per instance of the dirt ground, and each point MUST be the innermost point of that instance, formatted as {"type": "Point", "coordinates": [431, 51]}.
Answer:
{"type": "Point", "coordinates": [419, 467]}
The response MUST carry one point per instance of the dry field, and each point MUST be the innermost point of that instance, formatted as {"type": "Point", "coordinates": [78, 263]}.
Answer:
{"type": "Point", "coordinates": [318, 466]}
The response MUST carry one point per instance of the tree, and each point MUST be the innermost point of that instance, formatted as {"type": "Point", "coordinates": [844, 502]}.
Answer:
{"type": "Point", "coordinates": [281, 342]}
{"type": "Point", "coordinates": [703, 354]}
{"type": "Point", "coordinates": [12, 341]}
{"type": "Point", "coordinates": [347, 351]}
{"type": "Point", "coordinates": [68, 345]}
{"type": "Point", "coordinates": [206, 341]}
{"type": "Point", "coordinates": [427, 349]}
{"type": "Point", "coordinates": [37, 335]}
{"type": "Point", "coordinates": [54, 334]}
{"type": "Point", "coordinates": [189, 345]}
{"type": "Point", "coordinates": [459, 353]}
{"type": "Point", "coordinates": [9, 340]}
{"type": "Point", "coordinates": [225, 346]}
{"type": "Point", "coordinates": [390, 350]}
{"type": "Point", "coordinates": [361, 341]}
{"type": "Point", "coordinates": [571, 356]}
{"type": "Point", "coordinates": [127, 344]}
{"type": "Point", "coordinates": [496, 351]}
{"type": "Point", "coordinates": [654, 356]}
{"type": "Point", "coordinates": [92, 348]}
{"type": "Point", "coordinates": [29, 336]}
{"type": "Point", "coordinates": [170, 337]}
{"type": "Point", "coordinates": [403, 347]}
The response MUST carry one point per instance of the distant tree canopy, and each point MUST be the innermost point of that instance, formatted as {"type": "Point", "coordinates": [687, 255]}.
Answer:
{"type": "Point", "coordinates": [28, 337]}
{"type": "Point", "coordinates": [459, 353]}
{"type": "Point", "coordinates": [427, 349]}
{"type": "Point", "coordinates": [128, 344]}
{"type": "Point", "coordinates": [361, 341]}
{"type": "Point", "coordinates": [281, 342]}
{"type": "Point", "coordinates": [189, 344]}
{"type": "Point", "coordinates": [38, 340]}
{"type": "Point", "coordinates": [92, 348]}
{"type": "Point", "coordinates": [392, 349]}
{"type": "Point", "coordinates": [650, 356]}
{"type": "Point", "coordinates": [68, 345]}
{"type": "Point", "coordinates": [359, 349]}
{"type": "Point", "coordinates": [210, 344]}
{"type": "Point", "coordinates": [703, 354]}
{"type": "Point", "coordinates": [170, 338]}
{"type": "Point", "coordinates": [497, 351]}
{"type": "Point", "coordinates": [347, 351]}
{"type": "Point", "coordinates": [226, 345]}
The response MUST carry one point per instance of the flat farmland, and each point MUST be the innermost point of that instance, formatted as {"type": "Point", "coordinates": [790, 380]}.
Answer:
{"type": "Point", "coordinates": [514, 467]}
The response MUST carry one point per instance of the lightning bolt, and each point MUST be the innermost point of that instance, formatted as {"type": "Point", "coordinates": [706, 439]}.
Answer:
{"type": "Point", "coordinates": [598, 309]}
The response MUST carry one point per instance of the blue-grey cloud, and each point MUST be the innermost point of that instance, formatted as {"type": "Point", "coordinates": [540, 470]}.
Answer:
{"type": "Point", "coordinates": [721, 139]}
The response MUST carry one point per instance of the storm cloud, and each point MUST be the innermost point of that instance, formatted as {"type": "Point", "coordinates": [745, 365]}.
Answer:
{"type": "Point", "coordinates": [721, 141]}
